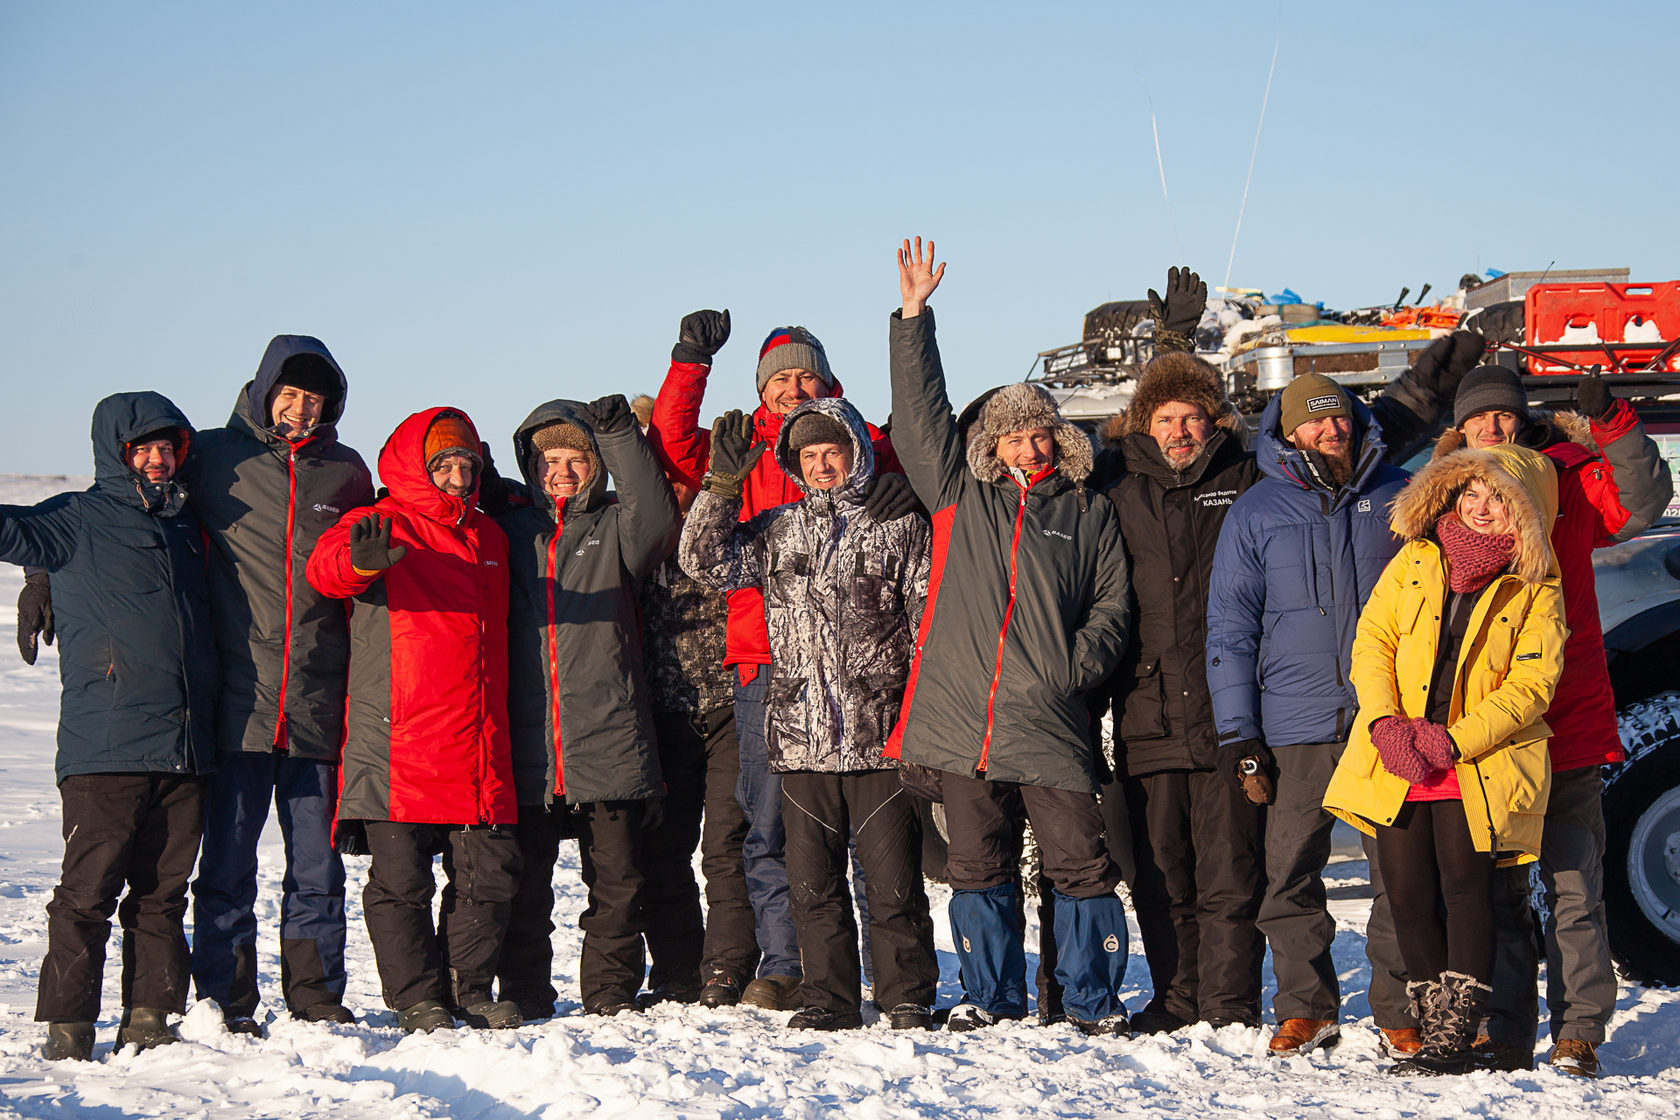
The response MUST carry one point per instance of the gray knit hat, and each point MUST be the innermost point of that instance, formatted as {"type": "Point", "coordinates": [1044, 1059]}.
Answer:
{"type": "Point", "coordinates": [1489, 388]}
{"type": "Point", "coordinates": [792, 348]}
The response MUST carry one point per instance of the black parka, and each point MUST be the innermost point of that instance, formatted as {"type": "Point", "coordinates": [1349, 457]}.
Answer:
{"type": "Point", "coordinates": [131, 604]}
{"type": "Point", "coordinates": [264, 502]}
{"type": "Point", "coordinates": [1027, 608]}
{"type": "Point", "coordinates": [578, 703]}
{"type": "Point", "coordinates": [1169, 523]}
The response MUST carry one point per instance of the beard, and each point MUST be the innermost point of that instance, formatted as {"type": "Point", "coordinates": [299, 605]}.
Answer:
{"type": "Point", "coordinates": [1339, 467]}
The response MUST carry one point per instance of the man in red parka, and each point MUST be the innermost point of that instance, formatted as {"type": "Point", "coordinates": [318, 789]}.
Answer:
{"type": "Point", "coordinates": [427, 764]}
{"type": "Point", "coordinates": [1612, 484]}
{"type": "Point", "coordinates": [792, 368]}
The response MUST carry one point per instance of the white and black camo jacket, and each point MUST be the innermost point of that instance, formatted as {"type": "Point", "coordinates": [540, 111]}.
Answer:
{"type": "Point", "coordinates": [843, 596]}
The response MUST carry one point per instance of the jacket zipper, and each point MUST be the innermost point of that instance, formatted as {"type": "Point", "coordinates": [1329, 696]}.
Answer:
{"type": "Point", "coordinates": [281, 738]}
{"type": "Point", "coordinates": [1009, 609]}
{"type": "Point", "coordinates": [554, 658]}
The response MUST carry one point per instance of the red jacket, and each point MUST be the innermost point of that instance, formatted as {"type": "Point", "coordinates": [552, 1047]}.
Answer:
{"type": "Point", "coordinates": [1590, 515]}
{"type": "Point", "coordinates": [684, 448]}
{"type": "Point", "coordinates": [426, 738]}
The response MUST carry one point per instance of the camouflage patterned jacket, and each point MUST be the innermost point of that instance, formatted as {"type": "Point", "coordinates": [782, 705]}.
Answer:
{"type": "Point", "coordinates": [843, 597]}
{"type": "Point", "coordinates": [683, 634]}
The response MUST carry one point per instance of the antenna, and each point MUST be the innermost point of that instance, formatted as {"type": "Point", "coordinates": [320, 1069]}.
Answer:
{"type": "Point", "coordinates": [1265, 98]}
{"type": "Point", "coordinates": [1162, 167]}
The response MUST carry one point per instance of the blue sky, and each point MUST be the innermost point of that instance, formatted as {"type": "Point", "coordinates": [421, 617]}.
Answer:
{"type": "Point", "coordinates": [491, 206]}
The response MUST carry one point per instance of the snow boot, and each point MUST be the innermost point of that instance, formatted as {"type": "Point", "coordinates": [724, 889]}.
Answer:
{"type": "Point", "coordinates": [245, 1025]}
{"type": "Point", "coordinates": [910, 1017]}
{"type": "Point", "coordinates": [1091, 957]}
{"type": "Point", "coordinates": [1450, 1008]}
{"type": "Point", "coordinates": [825, 1019]}
{"type": "Point", "coordinates": [424, 1017]}
{"type": "Point", "coordinates": [146, 1028]}
{"type": "Point", "coordinates": [720, 989]}
{"type": "Point", "coordinates": [326, 1013]}
{"type": "Point", "coordinates": [986, 926]}
{"type": "Point", "coordinates": [491, 1015]}
{"type": "Point", "coordinates": [68, 1041]}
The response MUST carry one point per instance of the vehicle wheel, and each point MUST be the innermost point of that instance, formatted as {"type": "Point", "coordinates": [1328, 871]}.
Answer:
{"type": "Point", "coordinates": [1642, 857]}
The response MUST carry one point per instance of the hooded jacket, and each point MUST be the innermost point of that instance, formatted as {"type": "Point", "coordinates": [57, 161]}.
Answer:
{"type": "Point", "coordinates": [426, 737]}
{"type": "Point", "coordinates": [1296, 561]}
{"type": "Point", "coordinates": [581, 723]}
{"type": "Point", "coordinates": [843, 594]}
{"type": "Point", "coordinates": [1169, 526]}
{"type": "Point", "coordinates": [685, 448]}
{"type": "Point", "coordinates": [1509, 660]}
{"type": "Point", "coordinates": [1612, 485]}
{"type": "Point", "coordinates": [130, 601]}
{"type": "Point", "coordinates": [264, 501]}
{"type": "Point", "coordinates": [1036, 610]}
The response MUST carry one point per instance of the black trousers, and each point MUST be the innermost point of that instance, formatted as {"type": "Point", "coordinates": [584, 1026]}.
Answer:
{"type": "Point", "coordinates": [983, 818]}
{"type": "Point", "coordinates": [525, 973]}
{"type": "Point", "coordinates": [822, 814]}
{"type": "Point", "coordinates": [1200, 878]}
{"type": "Point", "coordinates": [1440, 889]}
{"type": "Point", "coordinates": [701, 762]}
{"type": "Point", "coordinates": [454, 961]}
{"type": "Point", "coordinates": [138, 830]}
{"type": "Point", "coordinates": [610, 850]}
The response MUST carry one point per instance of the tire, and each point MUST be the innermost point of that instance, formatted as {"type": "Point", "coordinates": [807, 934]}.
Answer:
{"type": "Point", "coordinates": [1642, 855]}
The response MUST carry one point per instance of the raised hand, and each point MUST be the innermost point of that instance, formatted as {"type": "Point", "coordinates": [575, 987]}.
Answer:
{"type": "Point", "coordinates": [370, 544]}
{"type": "Point", "coordinates": [917, 278]}
{"type": "Point", "coordinates": [733, 454]}
{"type": "Point", "coordinates": [1593, 398]}
{"type": "Point", "coordinates": [891, 497]}
{"type": "Point", "coordinates": [610, 413]}
{"type": "Point", "coordinates": [1182, 308]}
{"type": "Point", "coordinates": [700, 336]}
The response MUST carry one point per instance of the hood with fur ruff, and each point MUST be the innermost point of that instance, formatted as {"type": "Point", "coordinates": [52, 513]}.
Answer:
{"type": "Point", "coordinates": [1013, 408]}
{"type": "Point", "coordinates": [1525, 480]}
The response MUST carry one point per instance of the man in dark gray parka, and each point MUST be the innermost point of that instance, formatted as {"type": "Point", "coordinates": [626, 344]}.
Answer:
{"type": "Point", "coordinates": [578, 709]}
{"type": "Point", "coordinates": [265, 487]}
{"type": "Point", "coordinates": [1027, 611]}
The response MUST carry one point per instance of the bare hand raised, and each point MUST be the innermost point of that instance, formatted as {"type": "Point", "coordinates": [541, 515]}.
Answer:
{"type": "Point", "coordinates": [917, 278]}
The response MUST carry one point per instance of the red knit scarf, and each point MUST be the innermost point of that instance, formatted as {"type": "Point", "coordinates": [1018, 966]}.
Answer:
{"type": "Point", "coordinates": [1473, 558]}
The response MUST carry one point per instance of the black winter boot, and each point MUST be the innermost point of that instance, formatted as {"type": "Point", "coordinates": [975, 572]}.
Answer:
{"type": "Point", "coordinates": [145, 1027]}
{"type": "Point", "coordinates": [1450, 1011]}
{"type": "Point", "coordinates": [68, 1041]}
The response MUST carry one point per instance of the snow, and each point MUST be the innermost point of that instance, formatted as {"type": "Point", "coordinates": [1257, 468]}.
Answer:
{"type": "Point", "coordinates": [693, 1062]}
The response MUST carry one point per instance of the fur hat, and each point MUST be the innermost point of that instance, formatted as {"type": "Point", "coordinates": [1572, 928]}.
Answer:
{"type": "Point", "coordinates": [553, 437]}
{"type": "Point", "coordinates": [816, 427]}
{"type": "Point", "coordinates": [1014, 408]}
{"type": "Point", "coordinates": [1525, 481]}
{"type": "Point", "coordinates": [1312, 396]}
{"type": "Point", "coordinates": [1489, 388]}
{"type": "Point", "coordinates": [448, 433]}
{"type": "Point", "coordinates": [792, 348]}
{"type": "Point", "coordinates": [1175, 376]}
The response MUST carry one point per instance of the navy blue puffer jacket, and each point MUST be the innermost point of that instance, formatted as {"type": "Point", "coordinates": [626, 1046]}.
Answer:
{"type": "Point", "coordinates": [1294, 565]}
{"type": "Point", "coordinates": [136, 653]}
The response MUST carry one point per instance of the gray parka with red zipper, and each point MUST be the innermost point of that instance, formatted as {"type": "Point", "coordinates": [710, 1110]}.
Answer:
{"type": "Point", "coordinates": [263, 502]}
{"type": "Point", "coordinates": [1027, 604]}
{"type": "Point", "coordinates": [578, 702]}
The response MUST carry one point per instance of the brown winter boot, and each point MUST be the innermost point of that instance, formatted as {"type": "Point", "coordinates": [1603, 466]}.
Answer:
{"type": "Point", "coordinates": [68, 1041]}
{"type": "Point", "coordinates": [1297, 1036]}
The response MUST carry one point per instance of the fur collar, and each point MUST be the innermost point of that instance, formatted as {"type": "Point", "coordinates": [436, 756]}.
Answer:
{"type": "Point", "coordinates": [1524, 479]}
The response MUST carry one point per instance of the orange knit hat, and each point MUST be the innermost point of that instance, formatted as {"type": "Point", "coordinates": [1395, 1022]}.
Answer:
{"type": "Point", "coordinates": [450, 432]}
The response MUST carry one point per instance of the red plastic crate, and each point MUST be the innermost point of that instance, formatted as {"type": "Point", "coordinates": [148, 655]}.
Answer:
{"type": "Point", "coordinates": [1642, 314]}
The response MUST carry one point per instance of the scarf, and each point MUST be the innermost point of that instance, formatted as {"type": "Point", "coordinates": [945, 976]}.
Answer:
{"type": "Point", "coordinates": [1473, 558]}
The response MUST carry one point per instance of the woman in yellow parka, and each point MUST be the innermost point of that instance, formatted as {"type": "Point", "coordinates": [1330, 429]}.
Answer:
{"type": "Point", "coordinates": [1457, 653]}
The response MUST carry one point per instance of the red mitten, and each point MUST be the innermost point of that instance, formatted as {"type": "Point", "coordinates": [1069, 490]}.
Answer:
{"type": "Point", "coordinates": [1393, 738]}
{"type": "Point", "coordinates": [1433, 744]}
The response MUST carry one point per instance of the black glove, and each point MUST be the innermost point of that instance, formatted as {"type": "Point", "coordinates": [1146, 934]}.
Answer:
{"type": "Point", "coordinates": [609, 414]}
{"type": "Point", "coordinates": [653, 814]}
{"type": "Point", "coordinates": [1182, 309]}
{"type": "Point", "coordinates": [733, 454]}
{"type": "Point", "coordinates": [701, 335]}
{"type": "Point", "coordinates": [35, 616]}
{"type": "Point", "coordinates": [891, 497]}
{"type": "Point", "coordinates": [1444, 363]}
{"type": "Point", "coordinates": [370, 544]}
{"type": "Point", "coordinates": [1593, 398]}
{"type": "Point", "coordinates": [492, 487]}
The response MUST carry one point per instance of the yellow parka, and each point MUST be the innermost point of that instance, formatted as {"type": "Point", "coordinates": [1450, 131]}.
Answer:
{"type": "Point", "coordinates": [1509, 660]}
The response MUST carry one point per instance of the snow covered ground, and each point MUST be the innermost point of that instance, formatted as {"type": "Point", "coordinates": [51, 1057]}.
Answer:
{"type": "Point", "coordinates": [692, 1062]}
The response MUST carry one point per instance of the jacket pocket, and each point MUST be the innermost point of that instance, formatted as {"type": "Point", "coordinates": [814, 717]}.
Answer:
{"type": "Point", "coordinates": [785, 733]}
{"type": "Point", "coordinates": [131, 561]}
{"type": "Point", "coordinates": [1142, 703]}
{"type": "Point", "coordinates": [876, 594]}
{"type": "Point", "coordinates": [879, 696]}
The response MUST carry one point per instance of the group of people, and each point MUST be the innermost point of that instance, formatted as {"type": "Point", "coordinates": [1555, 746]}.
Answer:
{"type": "Point", "coordinates": [778, 637]}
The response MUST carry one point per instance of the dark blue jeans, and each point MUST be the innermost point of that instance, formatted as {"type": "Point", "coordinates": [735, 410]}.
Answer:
{"type": "Point", "coordinates": [764, 850]}
{"type": "Point", "coordinates": [224, 955]}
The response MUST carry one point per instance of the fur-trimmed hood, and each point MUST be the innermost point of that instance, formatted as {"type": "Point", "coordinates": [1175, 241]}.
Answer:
{"type": "Point", "coordinates": [1525, 480]}
{"type": "Point", "coordinates": [1175, 376]}
{"type": "Point", "coordinates": [1018, 406]}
